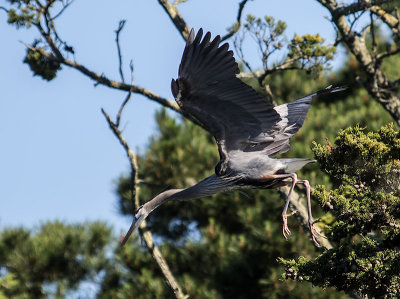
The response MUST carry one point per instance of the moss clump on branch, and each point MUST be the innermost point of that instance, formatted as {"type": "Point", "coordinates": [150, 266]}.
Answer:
{"type": "Point", "coordinates": [365, 202]}
{"type": "Point", "coordinates": [41, 65]}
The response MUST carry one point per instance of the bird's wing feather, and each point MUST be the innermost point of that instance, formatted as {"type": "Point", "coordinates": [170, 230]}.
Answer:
{"type": "Point", "coordinates": [208, 89]}
{"type": "Point", "coordinates": [238, 117]}
{"type": "Point", "coordinates": [292, 117]}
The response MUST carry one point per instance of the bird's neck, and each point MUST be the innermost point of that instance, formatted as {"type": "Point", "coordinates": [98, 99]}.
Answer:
{"type": "Point", "coordinates": [161, 198]}
{"type": "Point", "coordinates": [209, 186]}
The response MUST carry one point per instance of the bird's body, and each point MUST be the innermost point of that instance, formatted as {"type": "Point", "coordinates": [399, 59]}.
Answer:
{"type": "Point", "coordinates": [248, 130]}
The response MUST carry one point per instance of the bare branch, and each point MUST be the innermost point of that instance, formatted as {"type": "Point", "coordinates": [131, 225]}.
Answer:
{"type": "Point", "coordinates": [269, 94]}
{"type": "Point", "coordinates": [65, 6]}
{"type": "Point", "coordinates": [357, 6]}
{"type": "Point", "coordinates": [5, 9]}
{"type": "Point", "coordinates": [387, 18]}
{"type": "Point", "coordinates": [374, 45]}
{"type": "Point", "coordinates": [255, 74]}
{"type": "Point", "coordinates": [144, 234]}
{"type": "Point", "coordinates": [238, 45]}
{"type": "Point", "coordinates": [117, 122]}
{"type": "Point", "coordinates": [261, 74]}
{"type": "Point", "coordinates": [382, 56]}
{"type": "Point", "coordinates": [377, 84]}
{"type": "Point", "coordinates": [103, 80]}
{"type": "Point", "coordinates": [237, 25]}
{"type": "Point", "coordinates": [122, 86]}
{"type": "Point", "coordinates": [177, 2]}
{"type": "Point", "coordinates": [117, 32]}
{"type": "Point", "coordinates": [395, 84]}
{"type": "Point", "coordinates": [356, 17]}
{"type": "Point", "coordinates": [176, 18]}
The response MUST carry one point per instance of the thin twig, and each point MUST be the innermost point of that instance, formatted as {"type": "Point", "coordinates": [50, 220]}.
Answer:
{"type": "Point", "coordinates": [177, 2]}
{"type": "Point", "coordinates": [5, 9]}
{"type": "Point", "coordinates": [356, 18]}
{"type": "Point", "coordinates": [387, 54]}
{"type": "Point", "coordinates": [145, 234]}
{"type": "Point", "coordinates": [117, 122]}
{"type": "Point", "coordinates": [117, 32]}
{"type": "Point", "coordinates": [237, 25]}
{"type": "Point", "coordinates": [65, 6]}
{"type": "Point", "coordinates": [238, 46]}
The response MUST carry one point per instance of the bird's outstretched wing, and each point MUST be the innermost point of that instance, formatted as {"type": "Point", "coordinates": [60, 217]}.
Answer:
{"type": "Point", "coordinates": [238, 117]}
{"type": "Point", "coordinates": [208, 89]}
{"type": "Point", "coordinates": [292, 116]}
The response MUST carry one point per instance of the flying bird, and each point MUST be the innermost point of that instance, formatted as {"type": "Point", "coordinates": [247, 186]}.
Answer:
{"type": "Point", "coordinates": [248, 129]}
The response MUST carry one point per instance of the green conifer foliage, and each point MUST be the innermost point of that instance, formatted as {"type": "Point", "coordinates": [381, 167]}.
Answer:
{"type": "Point", "coordinates": [55, 257]}
{"type": "Point", "coordinates": [364, 209]}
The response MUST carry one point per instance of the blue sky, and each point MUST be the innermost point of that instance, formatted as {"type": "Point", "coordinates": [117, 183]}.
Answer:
{"type": "Point", "coordinates": [58, 158]}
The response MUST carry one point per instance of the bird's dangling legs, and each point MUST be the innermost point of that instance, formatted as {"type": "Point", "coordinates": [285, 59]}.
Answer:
{"type": "Point", "coordinates": [285, 229]}
{"type": "Point", "coordinates": [311, 222]}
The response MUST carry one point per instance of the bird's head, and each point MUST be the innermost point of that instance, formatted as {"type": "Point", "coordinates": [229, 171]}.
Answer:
{"type": "Point", "coordinates": [140, 215]}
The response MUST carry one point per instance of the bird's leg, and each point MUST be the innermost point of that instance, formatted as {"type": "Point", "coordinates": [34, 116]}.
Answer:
{"type": "Point", "coordinates": [311, 222]}
{"type": "Point", "coordinates": [285, 229]}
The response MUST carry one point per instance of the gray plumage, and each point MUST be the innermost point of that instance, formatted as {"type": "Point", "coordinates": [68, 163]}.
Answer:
{"type": "Point", "coordinates": [248, 129]}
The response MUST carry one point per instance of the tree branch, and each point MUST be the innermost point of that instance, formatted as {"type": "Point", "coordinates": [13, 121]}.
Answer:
{"type": "Point", "coordinates": [176, 18]}
{"type": "Point", "coordinates": [65, 6]}
{"type": "Point", "coordinates": [236, 26]}
{"type": "Point", "coordinates": [387, 18]}
{"type": "Point", "coordinates": [103, 80]}
{"type": "Point", "coordinates": [117, 32]}
{"type": "Point", "coordinates": [376, 83]}
{"type": "Point", "coordinates": [117, 122]}
{"type": "Point", "coordinates": [144, 233]}
{"type": "Point", "coordinates": [4, 9]}
{"type": "Point", "coordinates": [358, 6]}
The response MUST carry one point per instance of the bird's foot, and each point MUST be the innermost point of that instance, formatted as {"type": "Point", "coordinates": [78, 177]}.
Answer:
{"type": "Point", "coordinates": [285, 229]}
{"type": "Point", "coordinates": [315, 233]}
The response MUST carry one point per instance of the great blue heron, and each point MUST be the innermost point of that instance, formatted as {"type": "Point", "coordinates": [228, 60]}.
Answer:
{"type": "Point", "coordinates": [247, 128]}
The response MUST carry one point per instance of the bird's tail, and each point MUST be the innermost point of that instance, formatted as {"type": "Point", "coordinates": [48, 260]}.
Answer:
{"type": "Point", "coordinates": [295, 164]}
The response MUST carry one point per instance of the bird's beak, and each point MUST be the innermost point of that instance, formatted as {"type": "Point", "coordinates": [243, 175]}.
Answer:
{"type": "Point", "coordinates": [135, 223]}
{"type": "Point", "coordinates": [125, 238]}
